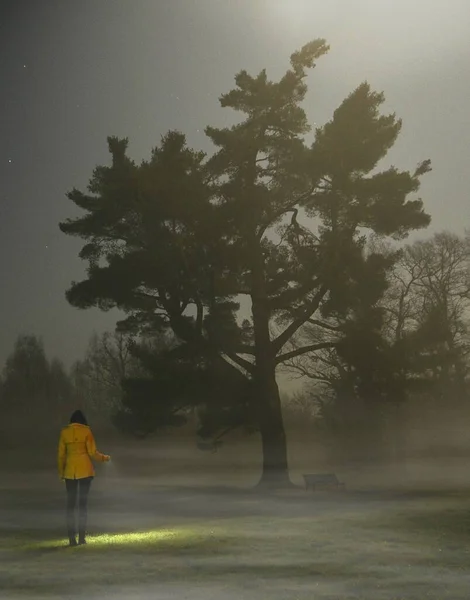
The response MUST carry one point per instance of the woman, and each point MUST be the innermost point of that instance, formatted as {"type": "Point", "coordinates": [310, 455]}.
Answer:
{"type": "Point", "coordinates": [76, 449]}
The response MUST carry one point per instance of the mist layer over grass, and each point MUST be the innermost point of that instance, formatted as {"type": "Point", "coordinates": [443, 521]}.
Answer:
{"type": "Point", "coordinates": [150, 541]}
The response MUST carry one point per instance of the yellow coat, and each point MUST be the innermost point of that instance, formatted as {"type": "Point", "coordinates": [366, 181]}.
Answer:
{"type": "Point", "coordinates": [76, 449]}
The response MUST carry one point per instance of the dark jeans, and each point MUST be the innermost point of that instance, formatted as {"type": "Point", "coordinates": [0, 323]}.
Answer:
{"type": "Point", "coordinates": [77, 489]}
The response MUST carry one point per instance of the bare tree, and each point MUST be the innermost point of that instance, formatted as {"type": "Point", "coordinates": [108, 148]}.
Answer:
{"type": "Point", "coordinates": [98, 377]}
{"type": "Point", "coordinates": [429, 300]}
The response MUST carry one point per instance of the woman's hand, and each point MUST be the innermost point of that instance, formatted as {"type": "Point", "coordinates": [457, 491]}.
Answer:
{"type": "Point", "coordinates": [107, 458]}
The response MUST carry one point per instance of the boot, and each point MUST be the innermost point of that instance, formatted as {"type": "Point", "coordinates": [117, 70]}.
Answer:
{"type": "Point", "coordinates": [71, 528]}
{"type": "Point", "coordinates": [82, 530]}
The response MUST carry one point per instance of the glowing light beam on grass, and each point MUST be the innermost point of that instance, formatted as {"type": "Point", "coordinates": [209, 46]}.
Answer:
{"type": "Point", "coordinates": [142, 538]}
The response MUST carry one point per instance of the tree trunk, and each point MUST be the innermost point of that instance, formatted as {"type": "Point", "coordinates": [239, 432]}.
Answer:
{"type": "Point", "coordinates": [275, 470]}
{"type": "Point", "coordinates": [267, 401]}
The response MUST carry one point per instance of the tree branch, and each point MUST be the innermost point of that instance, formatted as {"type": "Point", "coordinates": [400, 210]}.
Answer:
{"type": "Point", "coordinates": [242, 349]}
{"type": "Point", "coordinates": [290, 208]}
{"type": "Point", "coordinates": [291, 294]}
{"type": "Point", "coordinates": [304, 350]}
{"type": "Point", "coordinates": [241, 362]}
{"type": "Point", "coordinates": [336, 329]}
{"type": "Point", "coordinates": [199, 316]}
{"type": "Point", "coordinates": [308, 311]}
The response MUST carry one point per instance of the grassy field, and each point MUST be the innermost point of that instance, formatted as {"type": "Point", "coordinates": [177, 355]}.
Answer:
{"type": "Point", "coordinates": [165, 542]}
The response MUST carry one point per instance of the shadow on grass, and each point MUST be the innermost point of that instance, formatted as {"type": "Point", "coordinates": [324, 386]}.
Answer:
{"type": "Point", "coordinates": [232, 572]}
{"type": "Point", "coordinates": [335, 579]}
{"type": "Point", "coordinates": [440, 522]}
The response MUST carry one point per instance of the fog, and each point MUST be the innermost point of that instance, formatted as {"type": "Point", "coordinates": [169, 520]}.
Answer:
{"type": "Point", "coordinates": [169, 521]}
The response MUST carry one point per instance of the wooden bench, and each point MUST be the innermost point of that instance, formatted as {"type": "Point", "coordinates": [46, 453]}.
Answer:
{"type": "Point", "coordinates": [211, 446]}
{"type": "Point", "coordinates": [323, 480]}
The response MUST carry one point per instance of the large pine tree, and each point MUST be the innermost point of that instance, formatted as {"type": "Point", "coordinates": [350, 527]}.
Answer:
{"type": "Point", "coordinates": [176, 240]}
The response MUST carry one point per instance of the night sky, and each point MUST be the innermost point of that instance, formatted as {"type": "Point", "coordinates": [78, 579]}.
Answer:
{"type": "Point", "coordinates": [75, 71]}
